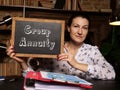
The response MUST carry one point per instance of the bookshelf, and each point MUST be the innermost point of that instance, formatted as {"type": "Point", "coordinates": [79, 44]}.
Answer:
{"type": "Point", "coordinates": [99, 21]}
{"type": "Point", "coordinates": [8, 67]}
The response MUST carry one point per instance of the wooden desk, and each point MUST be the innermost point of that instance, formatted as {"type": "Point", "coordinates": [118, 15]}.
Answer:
{"type": "Point", "coordinates": [97, 85]}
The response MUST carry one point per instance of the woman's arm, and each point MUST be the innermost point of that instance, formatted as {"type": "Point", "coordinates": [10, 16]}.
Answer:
{"type": "Point", "coordinates": [97, 68]}
{"type": "Point", "coordinates": [71, 60]}
{"type": "Point", "coordinates": [21, 61]}
{"type": "Point", "coordinates": [100, 69]}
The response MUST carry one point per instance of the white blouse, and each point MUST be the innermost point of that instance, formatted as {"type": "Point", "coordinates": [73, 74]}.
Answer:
{"type": "Point", "coordinates": [98, 67]}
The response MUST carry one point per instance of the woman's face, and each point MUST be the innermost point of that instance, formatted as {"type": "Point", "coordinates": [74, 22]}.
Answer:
{"type": "Point", "coordinates": [78, 29]}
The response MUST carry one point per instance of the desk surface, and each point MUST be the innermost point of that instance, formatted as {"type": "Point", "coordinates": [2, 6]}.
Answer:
{"type": "Point", "coordinates": [105, 85]}
{"type": "Point", "coordinates": [97, 85]}
{"type": "Point", "coordinates": [12, 84]}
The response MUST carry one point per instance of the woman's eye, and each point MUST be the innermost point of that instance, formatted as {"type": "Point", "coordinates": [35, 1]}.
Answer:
{"type": "Point", "coordinates": [85, 27]}
{"type": "Point", "coordinates": [78, 26]}
{"type": "Point", "coordinates": [75, 26]}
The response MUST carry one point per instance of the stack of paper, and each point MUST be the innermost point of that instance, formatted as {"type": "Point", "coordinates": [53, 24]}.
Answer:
{"type": "Point", "coordinates": [54, 86]}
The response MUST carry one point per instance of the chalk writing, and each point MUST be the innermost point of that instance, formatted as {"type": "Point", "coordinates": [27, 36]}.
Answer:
{"type": "Point", "coordinates": [28, 30]}
{"type": "Point", "coordinates": [47, 43]}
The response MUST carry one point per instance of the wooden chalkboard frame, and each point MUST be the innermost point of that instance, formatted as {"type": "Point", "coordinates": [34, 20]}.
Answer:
{"type": "Point", "coordinates": [36, 20]}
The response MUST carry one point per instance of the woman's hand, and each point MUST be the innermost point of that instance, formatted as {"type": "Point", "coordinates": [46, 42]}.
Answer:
{"type": "Point", "coordinates": [67, 56]}
{"type": "Point", "coordinates": [70, 58]}
{"type": "Point", "coordinates": [11, 53]}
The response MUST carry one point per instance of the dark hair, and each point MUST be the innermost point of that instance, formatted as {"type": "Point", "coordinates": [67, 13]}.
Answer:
{"type": "Point", "coordinates": [77, 15]}
{"type": "Point", "coordinates": [83, 15]}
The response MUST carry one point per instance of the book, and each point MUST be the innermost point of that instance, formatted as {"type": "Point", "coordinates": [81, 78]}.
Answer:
{"type": "Point", "coordinates": [43, 80]}
{"type": "Point", "coordinates": [74, 5]}
{"type": "Point", "coordinates": [54, 86]}
{"type": "Point", "coordinates": [64, 78]}
{"type": "Point", "coordinates": [67, 5]}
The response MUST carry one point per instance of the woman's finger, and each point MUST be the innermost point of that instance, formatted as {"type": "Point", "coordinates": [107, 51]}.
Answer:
{"type": "Point", "coordinates": [10, 51]}
{"type": "Point", "coordinates": [63, 56]}
{"type": "Point", "coordinates": [12, 55]}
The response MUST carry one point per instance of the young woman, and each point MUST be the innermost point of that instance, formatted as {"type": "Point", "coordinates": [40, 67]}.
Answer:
{"type": "Point", "coordinates": [79, 58]}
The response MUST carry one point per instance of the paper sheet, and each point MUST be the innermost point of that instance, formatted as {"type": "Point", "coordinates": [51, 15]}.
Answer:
{"type": "Point", "coordinates": [54, 86]}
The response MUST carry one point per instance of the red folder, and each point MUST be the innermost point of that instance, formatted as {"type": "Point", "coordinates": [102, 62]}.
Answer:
{"type": "Point", "coordinates": [39, 76]}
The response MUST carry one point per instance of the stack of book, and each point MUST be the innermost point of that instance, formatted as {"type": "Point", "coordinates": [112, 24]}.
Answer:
{"type": "Point", "coordinates": [53, 81]}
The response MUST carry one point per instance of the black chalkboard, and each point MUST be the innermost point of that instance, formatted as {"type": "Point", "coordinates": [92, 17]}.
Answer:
{"type": "Point", "coordinates": [33, 37]}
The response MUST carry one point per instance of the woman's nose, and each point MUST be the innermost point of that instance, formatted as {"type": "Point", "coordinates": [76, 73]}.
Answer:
{"type": "Point", "coordinates": [80, 31]}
